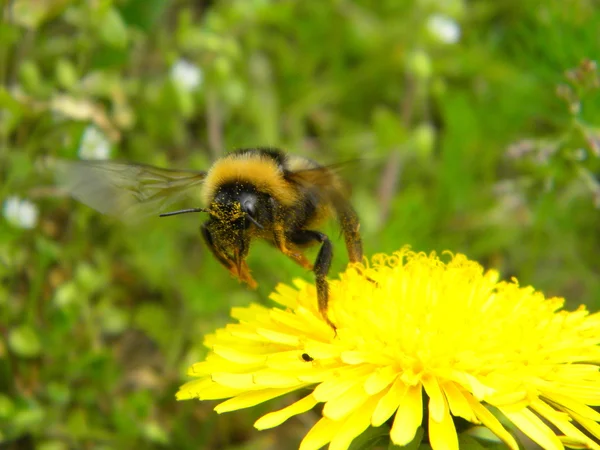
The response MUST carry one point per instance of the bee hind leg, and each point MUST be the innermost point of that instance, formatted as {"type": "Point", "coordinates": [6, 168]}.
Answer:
{"type": "Point", "coordinates": [226, 261]}
{"type": "Point", "coordinates": [321, 266]}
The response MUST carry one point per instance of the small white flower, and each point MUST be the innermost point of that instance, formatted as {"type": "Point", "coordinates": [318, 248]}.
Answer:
{"type": "Point", "coordinates": [20, 213]}
{"type": "Point", "coordinates": [444, 28]}
{"type": "Point", "coordinates": [94, 145]}
{"type": "Point", "coordinates": [186, 75]}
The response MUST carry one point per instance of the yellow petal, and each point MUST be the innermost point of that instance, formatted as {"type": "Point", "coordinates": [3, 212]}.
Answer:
{"type": "Point", "coordinates": [561, 421]}
{"type": "Point", "coordinates": [573, 405]}
{"type": "Point", "coordinates": [278, 417]}
{"type": "Point", "coordinates": [590, 425]}
{"type": "Point", "coordinates": [380, 379]}
{"type": "Point", "coordinates": [354, 425]}
{"type": "Point", "coordinates": [388, 403]}
{"type": "Point", "coordinates": [490, 421]}
{"type": "Point", "coordinates": [273, 378]}
{"type": "Point", "coordinates": [532, 426]}
{"type": "Point", "coordinates": [251, 398]}
{"type": "Point", "coordinates": [459, 406]}
{"type": "Point", "coordinates": [409, 416]}
{"type": "Point", "coordinates": [278, 337]}
{"type": "Point", "coordinates": [438, 407]}
{"type": "Point", "coordinates": [320, 434]}
{"type": "Point", "coordinates": [238, 356]}
{"type": "Point", "coordinates": [442, 434]}
{"type": "Point", "coordinates": [345, 379]}
{"type": "Point", "coordinates": [285, 295]}
{"type": "Point", "coordinates": [341, 406]}
{"type": "Point", "coordinates": [235, 380]}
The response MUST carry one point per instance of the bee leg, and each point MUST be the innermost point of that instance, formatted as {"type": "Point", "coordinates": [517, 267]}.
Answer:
{"type": "Point", "coordinates": [321, 267]}
{"type": "Point", "coordinates": [226, 261]}
{"type": "Point", "coordinates": [350, 228]}
{"type": "Point", "coordinates": [280, 240]}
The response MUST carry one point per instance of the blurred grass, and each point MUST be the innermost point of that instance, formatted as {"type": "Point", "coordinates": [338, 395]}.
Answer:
{"type": "Point", "coordinates": [488, 146]}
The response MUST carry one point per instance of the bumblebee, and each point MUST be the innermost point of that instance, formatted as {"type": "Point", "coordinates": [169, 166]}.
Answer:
{"type": "Point", "coordinates": [249, 193]}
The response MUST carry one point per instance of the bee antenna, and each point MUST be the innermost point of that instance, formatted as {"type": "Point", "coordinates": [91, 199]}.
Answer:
{"type": "Point", "coordinates": [253, 220]}
{"type": "Point", "coordinates": [183, 211]}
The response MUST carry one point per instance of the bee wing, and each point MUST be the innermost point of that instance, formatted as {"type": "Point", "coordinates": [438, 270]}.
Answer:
{"type": "Point", "coordinates": [325, 180]}
{"type": "Point", "coordinates": [127, 191]}
{"type": "Point", "coordinates": [331, 189]}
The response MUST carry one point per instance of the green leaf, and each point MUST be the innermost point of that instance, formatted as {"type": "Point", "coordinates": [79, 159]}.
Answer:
{"type": "Point", "coordinates": [24, 341]}
{"type": "Point", "coordinates": [389, 130]}
{"type": "Point", "coordinates": [143, 13]}
{"type": "Point", "coordinates": [32, 14]}
{"type": "Point", "coordinates": [470, 443]}
{"type": "Point", "coordinates": [65, 73]}
{"type": "Point", "coordinates": [113, 30]}
{"type": "Point", "coordinates": [372, 438]}
{"type": "Point", "coordinates": [7, 407]}
{"type": "Point", "coordinates": [52, 445]}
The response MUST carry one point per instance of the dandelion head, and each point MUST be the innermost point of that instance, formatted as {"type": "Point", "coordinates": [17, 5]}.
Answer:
{"type": "Point", "coordinates": [419, 340]}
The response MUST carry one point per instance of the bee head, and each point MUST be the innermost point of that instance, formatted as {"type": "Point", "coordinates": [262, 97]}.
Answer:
{"type": "Point", "coordinates": [236, 206]}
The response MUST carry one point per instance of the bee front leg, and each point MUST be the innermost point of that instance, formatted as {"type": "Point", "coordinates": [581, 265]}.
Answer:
{"type": "Point", "coordinates": [226, 261]}
{"type": "Point", "coordinates": [321, 267]}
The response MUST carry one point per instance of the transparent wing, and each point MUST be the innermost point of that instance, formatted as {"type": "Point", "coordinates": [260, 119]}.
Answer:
{"type": "Point", "coordinates": [331, 189]}
{"type": "Point", "coordinates": [325, 180]}
{"type": "Point", "coordinates": [127, 191]}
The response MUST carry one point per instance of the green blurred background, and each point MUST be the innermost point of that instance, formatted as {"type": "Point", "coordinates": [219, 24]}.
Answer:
{"type": "Point", "coordinates": [475, 124]}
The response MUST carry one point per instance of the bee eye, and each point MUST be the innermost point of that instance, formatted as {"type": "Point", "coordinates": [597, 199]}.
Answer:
{"type": "Point", "coordinates": [248, 203]}
{"type": "Point", "coordinates": [249, 207]}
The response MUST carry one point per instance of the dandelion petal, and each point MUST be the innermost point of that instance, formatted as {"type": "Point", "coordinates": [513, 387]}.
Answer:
{"type": "Point", "coordinates": [442, 434]}
{"type": "Point", "coordinates": [408, 417]}
{"type": "Point", "coordinates": [278, 417]}
{"type": "Point", "coordinates": [533, 427]}
{"type": "Point", "coordinates": [320, 434]}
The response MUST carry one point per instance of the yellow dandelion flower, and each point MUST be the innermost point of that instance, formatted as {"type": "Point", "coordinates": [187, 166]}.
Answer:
{"type": "Point", "coordinates": [410, 324]}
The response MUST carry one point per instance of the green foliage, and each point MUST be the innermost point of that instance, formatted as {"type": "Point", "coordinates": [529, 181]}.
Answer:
{"type": "Point", "coordinates": [488, 146]}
